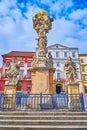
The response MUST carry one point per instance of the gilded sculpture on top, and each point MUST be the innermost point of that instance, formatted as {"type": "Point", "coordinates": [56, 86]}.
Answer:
{"type": "Point", "coordinates": [70, 70]}
{"type": "Point", "coordinates": [42, 23]}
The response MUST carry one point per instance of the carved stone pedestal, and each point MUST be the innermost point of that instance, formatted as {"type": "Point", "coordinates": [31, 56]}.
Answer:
{"type": "Point", "coordinates": [73, 88]}
{"type": "Point", "coordinates": [73, 94]}
{"type": "Point", "coordinates": [10, 89]}
{"type": "Point", "coordinates": [9, 99]}
{"type": "Point", "coordinates": [42, 80]}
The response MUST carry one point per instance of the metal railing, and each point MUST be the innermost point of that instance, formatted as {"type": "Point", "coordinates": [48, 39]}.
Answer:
{"type": "Point", "coordinates": [41, 102]}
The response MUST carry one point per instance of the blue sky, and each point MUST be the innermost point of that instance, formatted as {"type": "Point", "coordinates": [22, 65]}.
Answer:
{"type": "Point", "coordinates": [16, 27]}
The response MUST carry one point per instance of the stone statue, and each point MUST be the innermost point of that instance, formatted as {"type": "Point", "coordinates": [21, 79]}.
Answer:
{"type": "Point", "coordinates": [42, 24]}
{"type": "Point", "coordinates": [12, 73]}
{"type": "Point", "coordinates": [70, 70]}
{"type": "Point", "coordinates": [50, 60]}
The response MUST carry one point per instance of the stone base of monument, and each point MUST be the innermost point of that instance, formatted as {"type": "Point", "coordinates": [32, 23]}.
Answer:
{"type": "Point", "coordinates": [73, 94]}
{"type": "Point", "coordinates": [9, 96]}
{"type": "Point", "coordinates": [42, 80]}
{"type": "Point", "coordinates": [73, 88]}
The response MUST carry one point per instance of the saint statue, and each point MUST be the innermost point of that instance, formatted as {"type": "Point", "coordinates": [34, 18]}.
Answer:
{"type": "Point", "coordinates": [13, 72]}
{"type": "Point", "coordinates": [70, 69]}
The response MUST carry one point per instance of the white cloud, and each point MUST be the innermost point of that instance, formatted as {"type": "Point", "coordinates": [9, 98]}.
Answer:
{"type": "Point", "coordinates": [78, 14]}
{"type": "Point", "coordinates": [48, 2]}
{"type": "Point", "coordinates": [5, 6]}
{"type": "Point", "coordinates": [82, 34]}
{"type": "Point", "coordinates": [61, 4]}
{"type": "Point", "coordinates": [61, 29]}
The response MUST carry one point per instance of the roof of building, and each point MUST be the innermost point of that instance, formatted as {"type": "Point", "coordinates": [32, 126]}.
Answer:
{"type": "Point", "coordinates": [59, 45]}
{"type": "Point", "coordinates": [82, 54]}
{"type": "Point", "coordinates": [19, 53]}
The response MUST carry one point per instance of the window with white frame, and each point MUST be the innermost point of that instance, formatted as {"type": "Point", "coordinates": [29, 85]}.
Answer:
{"type": "Point", "coordinates": [83, 68]}
{"type": "Point", "coordinates": [56, 46]}
{"type": "Point", "coordinates": [29, 64]}
{"type": "Point", "coordinates": [22, 64]}
{"type": "Point", "coordinates": [65, 54]}
{"type": "Point", "coordinates": [84, 78]}
{"type": "Point", "coordinates": [21, 74]}
{"type": "Point", "coordinates": [57, 54]}
{"type": "Point", "coordinates": [57, 64]}
{"type": "Point", "coordinates": [29, 75]}
{"type": "Point", "coordinates": [82, 61]}
{"type": "Point", "coordinates": [73, 54]}
{"type": "Point", "coordinates": [7, 63]}
{"type": "Point", "coordinates": [58, 75]}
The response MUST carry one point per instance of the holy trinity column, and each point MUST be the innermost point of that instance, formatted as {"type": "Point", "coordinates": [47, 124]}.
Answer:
{"type": "Point", "coordinates": [42, 65]}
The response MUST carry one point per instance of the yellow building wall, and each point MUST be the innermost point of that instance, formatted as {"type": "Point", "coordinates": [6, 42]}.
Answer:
{"type": "Point", "coordinates": [83, 65]}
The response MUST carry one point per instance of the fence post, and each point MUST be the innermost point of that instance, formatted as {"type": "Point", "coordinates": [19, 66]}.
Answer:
{"type": "Point", "coordinates": [82, 101]}
{"type": "Point", "coordinates": [40, 101]}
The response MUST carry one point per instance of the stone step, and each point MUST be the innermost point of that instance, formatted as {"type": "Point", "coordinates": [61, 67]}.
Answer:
{"type": "Point", "coordinates": [30, 113]}
{"type": "Point", "coordinates": [45, 122]}
{"type": "Point", "coordinates": [27, 117]}
{"type": "Point", "coordinates": [21, 127]}
{"type": "Point", "coordinates": [21, 120]}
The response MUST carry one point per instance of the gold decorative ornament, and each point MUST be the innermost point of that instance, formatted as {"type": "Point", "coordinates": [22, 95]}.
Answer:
{"type": "Point", "coordinates": [42, 14]}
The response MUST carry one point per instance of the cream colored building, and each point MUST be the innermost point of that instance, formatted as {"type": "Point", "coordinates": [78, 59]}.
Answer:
{"type": "Point", "coordinates": [60, 54]}
{"type": "Point", "coordinates": [83, 64]}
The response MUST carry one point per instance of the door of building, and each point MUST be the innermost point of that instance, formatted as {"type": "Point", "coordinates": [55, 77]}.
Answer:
{"type": "Point", "coordinates": [58, 88]}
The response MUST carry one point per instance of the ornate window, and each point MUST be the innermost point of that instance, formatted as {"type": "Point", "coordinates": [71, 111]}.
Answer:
{"type": "Point", "coordinates": [82, 61]}
{"type": "Point", "coordinates": [29, 64]}
{"type": "Point", "coordinates": [57, 64]}
{"type": "Point", "coordinates": [56, 46]}
{"type": "Point", "coordinates": [83, 68]}
{"type": "Point", "coordinates": [73, 54]}
{"type": "Point", "coordinates": [57, 54]}
{"type": "Point", "coordinates": [29, 75]}
{"type": "Point", "coordinates": [65, 54]}
{"type": "Point", "coordinates": [21, 74]}
{"type": "Point", "coordinates": [58, 75]}
{"type": "Point", "coordinates": [22, 64]}
{"type": "Point", "coordinates": [7, 63]}
{"type": "Point", "coordinates": [84, 78]}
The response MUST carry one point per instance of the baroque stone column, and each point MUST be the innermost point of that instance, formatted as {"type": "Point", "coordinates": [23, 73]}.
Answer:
{"type": "Point", "coordinates": [42, 66]}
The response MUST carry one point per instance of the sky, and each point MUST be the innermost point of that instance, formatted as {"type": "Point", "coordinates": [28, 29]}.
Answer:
{"type": "Point", "coordinates": [69, 27]}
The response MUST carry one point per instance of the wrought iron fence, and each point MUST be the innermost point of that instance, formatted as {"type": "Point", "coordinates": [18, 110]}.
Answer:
{"type": "Point", "coordinates": [41, 102]}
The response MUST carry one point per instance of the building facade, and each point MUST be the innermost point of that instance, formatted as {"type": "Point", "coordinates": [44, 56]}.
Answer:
{"type": "Point", "coordinates": [25, 59]}
{"type": "Point", "coordinates": [83, 64]}
{"type": "Point", "coordinates": [60, 54]}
